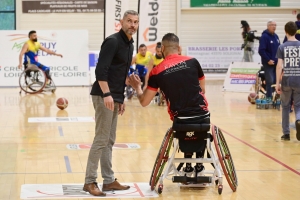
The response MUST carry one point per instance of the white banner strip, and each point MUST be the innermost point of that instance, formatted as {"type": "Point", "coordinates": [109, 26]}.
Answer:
{"type": "Point", "coordinates": [149, 26]}
{"type": "Point", "coordinates": [114, 11]}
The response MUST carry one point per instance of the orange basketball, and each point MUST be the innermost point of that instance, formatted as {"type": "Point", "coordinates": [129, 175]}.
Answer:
{"type": "Point", "coordinates": [252, 97]}
{"type": "Point", "coordinates": [62, 103]}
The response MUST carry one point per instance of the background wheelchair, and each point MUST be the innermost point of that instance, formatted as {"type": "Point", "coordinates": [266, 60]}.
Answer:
{"type": "Point", "coordinates": [260, 89]}
{"type": "Point", "coordinates": [34, 80]}
{"type": "Point", "coordinates": [218, 155]}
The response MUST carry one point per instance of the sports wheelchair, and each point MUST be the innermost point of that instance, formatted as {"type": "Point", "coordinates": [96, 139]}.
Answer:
{"type": "Point", "coordinates": [260, 89]}
{"type": "Point", "coordinates": [192, 138]}
{"type": "Point", "coordinates": [34, 80]}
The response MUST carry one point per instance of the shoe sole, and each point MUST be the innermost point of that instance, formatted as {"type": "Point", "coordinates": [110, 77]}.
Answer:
{"type": "Point", "coordinates": [114, 189]}
{"type": "Point", "coordinates": [103, 195]}
{"type": "Point", "coordinates": [297, 124]}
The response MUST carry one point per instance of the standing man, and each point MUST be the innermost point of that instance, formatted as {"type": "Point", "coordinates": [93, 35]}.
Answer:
{"type": "Point", "coordinates": [288, 55]}
{"type": "Point", "coordinates": [297, 36]}
{"type": "Point", "coordinates": [108, 100]}
{"type": "Point", "coordinates": [248, 42]}
{"type": "Point", "coordinates": [268, 45]}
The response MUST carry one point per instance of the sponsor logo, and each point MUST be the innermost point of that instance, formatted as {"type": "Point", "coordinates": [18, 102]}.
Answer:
{"type": "Point", "coordinates": [118, 15]}
{"type": "Point", "coordinates": [150, 33]}
{"type": "Point", "coordinates": [190, 134]}
{"type": "Point", "coordinates": [18, 41]}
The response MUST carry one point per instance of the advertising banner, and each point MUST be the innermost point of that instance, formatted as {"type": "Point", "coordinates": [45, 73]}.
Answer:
{"type": "Point", "coordinates": [114, 11]}
{"type": "Point", "coordinates": [66, 6]}
{"type": "Point", "coordinates": [149, 26]}
{"type": "Point", "coordinates": [241, 77]}
{"type": "Point", "coordinates": [235, 3]}
{"type": "Point", "coordinates": [71, 70]}
{"type": "Point", "coordinates": [216, 59]}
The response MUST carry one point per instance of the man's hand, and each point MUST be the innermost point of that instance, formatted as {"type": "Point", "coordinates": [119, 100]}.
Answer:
{"type": "Point", "coordinates": [135, 81]}
{"type": "Point", "coordinates": [278, 88]}
{"type": "Point", "coordinates": [20, 66]}
{"type": "Point", "coordinates": [121, 109]}
{"type": "Point", "coordinates": [59, 55]}
{"type": "Point", "coordinates": [109, 103]}
{"type": "Point", "coordinates": [271, 62]}
{"type": "Point", "coordinates": [127, 81]}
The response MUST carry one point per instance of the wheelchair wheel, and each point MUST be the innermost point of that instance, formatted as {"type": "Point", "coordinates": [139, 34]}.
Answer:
{"type": "Point", "coordinates": [161, 159]}
{"type": "Point", "coordinates": [32, 81]}
{"type": "Point", "coordinates": [225, 158]}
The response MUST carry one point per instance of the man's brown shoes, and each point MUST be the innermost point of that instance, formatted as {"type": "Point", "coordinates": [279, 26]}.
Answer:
{"type": "Point", "coordinates": [114, 186]}
{"type": "Point", "coordinates": [93, 189]}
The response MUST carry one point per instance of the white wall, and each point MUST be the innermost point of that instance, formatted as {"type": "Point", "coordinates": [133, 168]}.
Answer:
{"type": "Point", "coordinates": [221, 26]}
{"type": "Point", "coordinates": [93, 22]}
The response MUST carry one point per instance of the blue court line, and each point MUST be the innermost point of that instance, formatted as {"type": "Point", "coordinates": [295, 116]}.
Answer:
{"type": "Point", "coordinates": [68, 165]}
{"type": "Point", "coordinates": [60, 130]}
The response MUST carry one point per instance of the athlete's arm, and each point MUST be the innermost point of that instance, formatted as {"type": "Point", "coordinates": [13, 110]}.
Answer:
{"type": "Point", "coordinates": [145, 97]}
{"type": "Point", "coordinates": [278, 75]}
{"type": "Point", "coordinates": [49, 51]}
{"type": "Point", "coordinates": [23, 51]}
{"type": "Point", "coordinates": [150, 67]}
{"type": "Point", "coordinates": [202, 85]}
{"type": "Point", "coordinates": [133, 60]}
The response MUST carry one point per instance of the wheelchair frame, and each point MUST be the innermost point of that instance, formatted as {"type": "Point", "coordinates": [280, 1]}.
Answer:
{"type": "Point", "coordinates": [32, 84]}
{"type": "Point", "coordinates": [220, 158]}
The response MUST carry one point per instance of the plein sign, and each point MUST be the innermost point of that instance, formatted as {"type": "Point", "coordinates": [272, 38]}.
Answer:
{"type": "Point", "coordinates": [66, 6]}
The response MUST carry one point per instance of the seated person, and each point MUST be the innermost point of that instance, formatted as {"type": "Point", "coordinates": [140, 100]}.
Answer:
{"type": "Point", "coordinates": [30, 49]}
{"type": "Point", "coordinates": [182, 82]}
{"type": "Point", "coordinates": [142, 60]}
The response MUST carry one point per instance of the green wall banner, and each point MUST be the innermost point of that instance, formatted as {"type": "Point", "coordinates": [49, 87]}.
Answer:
{"type": "Point", "coordinates": [235, 3]}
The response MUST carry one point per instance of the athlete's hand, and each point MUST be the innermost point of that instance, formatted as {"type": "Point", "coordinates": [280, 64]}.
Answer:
{"type": "Point", "coordinates": [135, 81]}
{"type": "Point", "coordinates": [59, 55]}
{"type": "Point", "coordinates": [121, 109]}
{"type": "Point", "coordinates": [278, 88]}
{"type": "Point", "coordinates": [109, 103]}
{"type": "Point", "coordinates": [20, 66]}
{"type": "Point", "coordinates": [271, 62]}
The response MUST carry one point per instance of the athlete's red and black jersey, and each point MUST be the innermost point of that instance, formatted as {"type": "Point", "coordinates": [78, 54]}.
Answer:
{"type": "Point", "coordinates": [178, 79]}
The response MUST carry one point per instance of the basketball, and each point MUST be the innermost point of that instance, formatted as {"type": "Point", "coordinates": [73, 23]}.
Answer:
{"type": "Point", "coordinates": [252, 97]}
{"type": "Point", "coordinates": [62, 103]}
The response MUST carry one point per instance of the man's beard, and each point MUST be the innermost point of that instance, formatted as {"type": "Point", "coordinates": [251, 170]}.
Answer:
{"type": "Point", "coordinates": [35, 40]}
{"type": "Point", "coordinates": [158, 57]}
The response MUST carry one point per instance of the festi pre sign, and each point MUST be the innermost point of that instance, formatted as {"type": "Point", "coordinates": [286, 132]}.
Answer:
{"type": "Point", "coordinates": [71, 70]}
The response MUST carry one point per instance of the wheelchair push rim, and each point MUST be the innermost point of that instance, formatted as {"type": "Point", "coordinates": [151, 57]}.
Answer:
{"type": "Point", "coordinates": [32, 84]}
{"type": "Point", "coordinates": [225, 158]}
{"type": "Point", "coordinates": [161, 159]}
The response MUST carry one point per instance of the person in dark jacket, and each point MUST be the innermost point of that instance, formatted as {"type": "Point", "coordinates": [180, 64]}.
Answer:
{"type": "Point", "coordinates": [108, 100]}
{"type": "Point", "coordinates": [268, 45]}
{"type": "Point", "coordinates": [297, 36]}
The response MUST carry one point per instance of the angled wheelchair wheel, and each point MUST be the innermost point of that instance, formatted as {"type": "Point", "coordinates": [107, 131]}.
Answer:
{"type": "Point", "coordinates": [161, 159]}
{"type": "Point", "coordinates": [32, 81]}
{"type": "Point", "coordinates": [225, 158]}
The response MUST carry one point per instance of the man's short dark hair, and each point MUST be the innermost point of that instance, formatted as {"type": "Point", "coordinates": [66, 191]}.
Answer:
{"type": "Point", "coordinates": [31, 32]}
{"type": "Point", "coordinates": [158, 45]}
{"type": "Point", "coordinates": [290, 28]}
{"type": "Point", "coordinates": [142, 45]}
{"type": "Point", "coordinates": [298, 16]}
{"type": "Point", "coordinates": [170, 37]}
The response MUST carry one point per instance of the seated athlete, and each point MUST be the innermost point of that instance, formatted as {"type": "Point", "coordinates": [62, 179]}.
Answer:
{"type": "Point", "coordinates": [30, 49]}
{"type": "Point", "coordinates": [182, 82]}
{"type": "Point", "coordinates": [142, 60]}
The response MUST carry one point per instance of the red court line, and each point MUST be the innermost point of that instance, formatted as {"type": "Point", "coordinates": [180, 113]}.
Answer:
{"type": "Point", "coordinates": [139, 190]}
{"type": "Point", "coordinates": [265, 154]}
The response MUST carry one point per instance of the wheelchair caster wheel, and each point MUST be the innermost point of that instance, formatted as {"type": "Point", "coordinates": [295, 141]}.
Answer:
{"type": "Point", "coordinates": [216, 182]}
{"type": "Point", "coordinates": [160, 189]}
{"type": "Point", "coordinates": [53, 91]}
{"type": "Point", "coordinates": [220, 189]}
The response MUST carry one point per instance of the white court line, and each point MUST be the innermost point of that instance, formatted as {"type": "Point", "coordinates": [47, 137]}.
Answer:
{"type": "Point", "coordinates": [74, 191]}
{"type": "Point", "coordinates": [60, 119]}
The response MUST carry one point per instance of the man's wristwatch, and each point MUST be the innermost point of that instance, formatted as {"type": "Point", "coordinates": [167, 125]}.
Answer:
{"type": "Point", "coordinates": [106, 94]}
